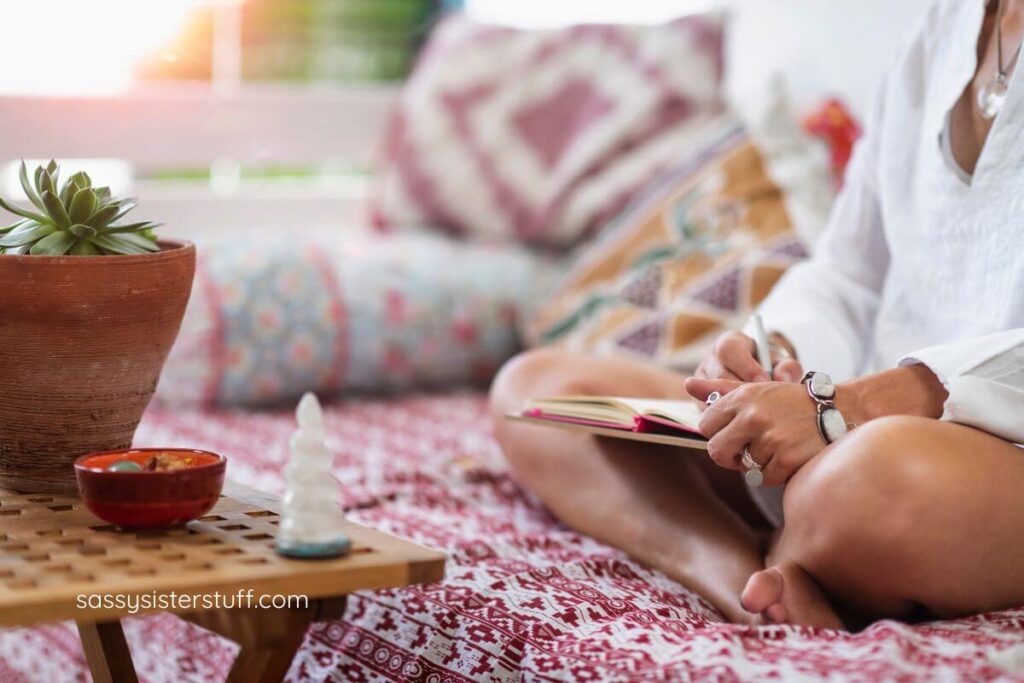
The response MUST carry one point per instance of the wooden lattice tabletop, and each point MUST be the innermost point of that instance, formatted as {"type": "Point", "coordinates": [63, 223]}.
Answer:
{"type": "Point", "coordinates": [53, 550]}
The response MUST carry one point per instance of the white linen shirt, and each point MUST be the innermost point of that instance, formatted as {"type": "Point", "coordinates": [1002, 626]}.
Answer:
{"type": "Point", "coordinates": [919, 264]}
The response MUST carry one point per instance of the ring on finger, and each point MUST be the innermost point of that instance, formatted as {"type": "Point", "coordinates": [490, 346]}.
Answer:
{"type": "Point", "coordinates": [754, 474]}
{"type": "Point", "coordinates": [748, 460]}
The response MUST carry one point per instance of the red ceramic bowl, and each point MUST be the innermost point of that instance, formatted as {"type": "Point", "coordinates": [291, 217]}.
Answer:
{"type": "Point", "coordinates": [150, 499]}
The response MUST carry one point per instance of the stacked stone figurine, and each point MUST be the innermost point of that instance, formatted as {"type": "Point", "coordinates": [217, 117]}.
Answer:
{"type": "Point", "coordinates": [311, 523]}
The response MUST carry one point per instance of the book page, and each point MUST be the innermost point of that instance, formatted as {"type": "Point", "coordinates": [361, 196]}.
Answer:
{"type": "Point", "coordinates": [594, 408]}
{"type": "Point", "coordinates": [618, 410]}
{"type": "Point", "coordinates": [685, 412]}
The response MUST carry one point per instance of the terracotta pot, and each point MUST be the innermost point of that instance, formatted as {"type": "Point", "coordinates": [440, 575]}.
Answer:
{"type": "Point", "coordinates": [82, 342]}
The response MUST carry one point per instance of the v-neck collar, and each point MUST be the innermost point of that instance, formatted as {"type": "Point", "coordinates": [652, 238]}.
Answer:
{"type": "Point", "coordinates": [958, 71]}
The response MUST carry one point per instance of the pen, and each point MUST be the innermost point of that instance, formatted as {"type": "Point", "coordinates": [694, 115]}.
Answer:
{"type": "Point", "coordinates": [761, 344]}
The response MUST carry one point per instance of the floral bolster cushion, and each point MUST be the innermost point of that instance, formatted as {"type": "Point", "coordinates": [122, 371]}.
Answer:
{"type": "Point", "coordinates": [538, 136]}
{"type": "Point", "coordinates": [271, 319]}
{"type": "Point", "coordinates": [690, 258]}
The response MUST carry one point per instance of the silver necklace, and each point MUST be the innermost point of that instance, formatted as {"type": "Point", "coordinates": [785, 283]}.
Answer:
{"type": "Point", "coordinates": [992, 96]}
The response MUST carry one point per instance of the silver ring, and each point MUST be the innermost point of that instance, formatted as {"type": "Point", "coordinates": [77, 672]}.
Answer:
{"type": "Point", "coordinates": [748, 460]}
{"type": "Point", "coordinates": [754, 476]}
{"type": "Point", "coordinates": [712, 397]}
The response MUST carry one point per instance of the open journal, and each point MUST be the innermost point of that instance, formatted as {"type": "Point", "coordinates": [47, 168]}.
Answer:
{"type": "Point", "coordinates": [656, 421]}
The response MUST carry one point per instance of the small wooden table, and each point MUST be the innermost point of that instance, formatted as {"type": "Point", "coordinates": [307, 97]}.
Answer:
{"type": "Point", "coordinates": [53, 550]}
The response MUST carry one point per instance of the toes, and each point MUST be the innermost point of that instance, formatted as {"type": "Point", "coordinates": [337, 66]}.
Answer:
{"type": "Point", "coordinates": [777, 614]}
{"type": "Point", "coordinates": [763, 590]}
{"type": "Point", "coordinates": [804, 603]}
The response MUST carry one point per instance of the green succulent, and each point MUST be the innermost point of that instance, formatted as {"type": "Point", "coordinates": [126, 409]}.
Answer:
{"type": "Point", "coordinates": [77, 219]}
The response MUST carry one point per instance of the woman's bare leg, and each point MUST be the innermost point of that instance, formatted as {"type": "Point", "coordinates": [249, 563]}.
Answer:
{"type": "Point", "coordinates": [903, 514]}
{"type": "Point", "coordinates": [669, 509]}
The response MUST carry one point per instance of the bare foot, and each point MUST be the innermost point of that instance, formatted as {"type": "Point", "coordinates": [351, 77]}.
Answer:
{"type": "Point", "coordinates": [785, 594]}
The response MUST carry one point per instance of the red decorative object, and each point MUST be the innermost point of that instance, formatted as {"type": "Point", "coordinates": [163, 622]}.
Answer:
{"type": "Point", "coordinates": [837, 127]}
{"type": "Point", "coordinates": [150, 499]}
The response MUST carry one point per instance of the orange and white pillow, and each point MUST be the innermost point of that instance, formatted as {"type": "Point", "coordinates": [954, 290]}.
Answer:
{"type": "Point", "coordinates": [688, 260]}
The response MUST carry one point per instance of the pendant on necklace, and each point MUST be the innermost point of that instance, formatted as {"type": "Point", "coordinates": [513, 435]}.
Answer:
{"type": "Point", "coordinates": [991, 98]}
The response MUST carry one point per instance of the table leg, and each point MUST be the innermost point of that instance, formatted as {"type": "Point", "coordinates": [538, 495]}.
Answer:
{"type": "Point", "coordinates": [107, 652]}
{"type": "Point", "coordinates": [269, 638]}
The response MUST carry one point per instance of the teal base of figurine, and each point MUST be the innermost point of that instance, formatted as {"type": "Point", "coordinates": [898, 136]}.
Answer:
{"type": "Point", "coordinates": [314, 551]}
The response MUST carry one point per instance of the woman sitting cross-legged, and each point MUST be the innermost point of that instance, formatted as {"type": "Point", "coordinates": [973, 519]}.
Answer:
{"type": "Point", "coordinates": [909, 499]}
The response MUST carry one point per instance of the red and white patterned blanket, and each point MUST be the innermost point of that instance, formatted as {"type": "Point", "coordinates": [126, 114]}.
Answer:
{"type": "Point", "coordinates": [524, 597]}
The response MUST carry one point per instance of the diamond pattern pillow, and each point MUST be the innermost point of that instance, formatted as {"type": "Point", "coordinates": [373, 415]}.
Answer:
{"type": "Point", "coordinates": [539, 135]}
{"type": "Point", "coordinates": [690, 259]}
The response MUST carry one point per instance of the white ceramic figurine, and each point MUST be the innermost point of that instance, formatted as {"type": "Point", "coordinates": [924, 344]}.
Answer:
{"type": "Point", "coordinates": [312, 522]}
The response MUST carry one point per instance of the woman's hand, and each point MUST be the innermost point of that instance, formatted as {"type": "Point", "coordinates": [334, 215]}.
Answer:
{"type": "Point", "coordinates": [777, 421]}
{"type": "Point", "coordinates": [733, 356]}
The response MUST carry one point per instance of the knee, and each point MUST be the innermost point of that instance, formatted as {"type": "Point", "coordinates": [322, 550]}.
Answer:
{"type": "Point", "coordinates": [865, 493]}
{"type": "Point", "coordinates": [527, 375]}
{"type": "Point", "coordinates": [539, 372]}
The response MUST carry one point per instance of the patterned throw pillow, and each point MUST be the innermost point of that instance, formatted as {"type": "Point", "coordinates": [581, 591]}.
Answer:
{"type": "Point", "coordinates": [271, 319]}
{"type": "Point", "coordinates": [690, 259]}
{"type": "Point", "coordinates": [540, 135]}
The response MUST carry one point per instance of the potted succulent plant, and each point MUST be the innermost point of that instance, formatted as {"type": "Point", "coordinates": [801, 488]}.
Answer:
{"type": "Point", "coordinates": [89, 308]}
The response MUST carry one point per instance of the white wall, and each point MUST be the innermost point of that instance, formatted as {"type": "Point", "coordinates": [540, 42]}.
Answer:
{"type": "Point", "coordinates": [822, 47]}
